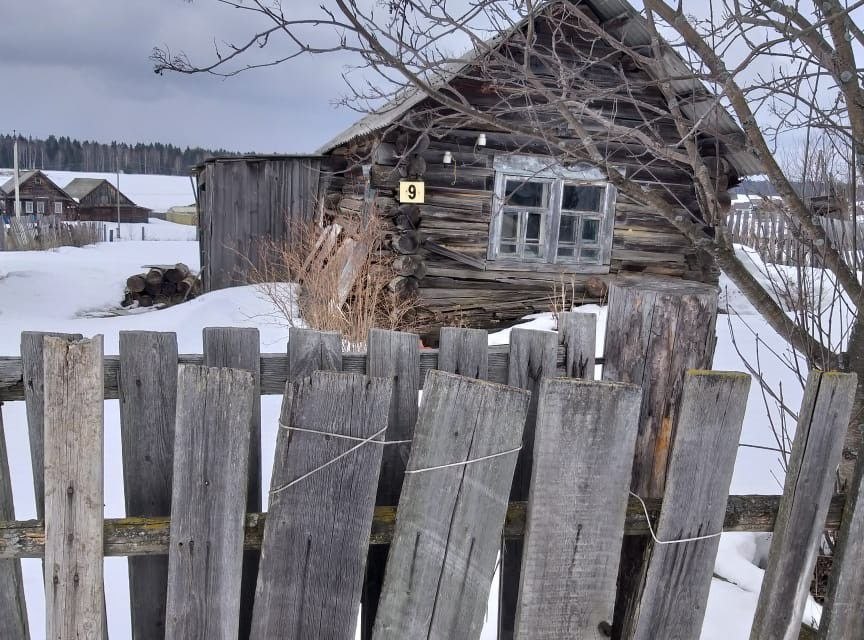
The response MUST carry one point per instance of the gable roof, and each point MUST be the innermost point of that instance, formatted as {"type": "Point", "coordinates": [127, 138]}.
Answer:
{"type": "Point", "coordinates": [633, 33]}
{"type": "Point", "coordinates": [8, 188]}
{"type": "Point", "coordinates": [80, 187]}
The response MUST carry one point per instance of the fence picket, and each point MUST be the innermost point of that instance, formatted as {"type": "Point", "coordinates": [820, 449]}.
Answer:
{"type": "Point", "coordinates": [317, 531]}
{"type": "Point", "coordinates": [822, 424]}
{"type": "Point", "coordinates": [240, 348]}
{"type": "Point", "coordinates": [674, 588]}
{"type": "Point", "coordinates": [13, 608]}
{"type": "Point", "coordinates": [578, 333]}
{"type": "Point", "coordinates": [437, 582]}
{"type": "Point", "coordinates": [148, 405]}
{"type": "Point", "coordinates": [74, 418]}
{"type": "Point", "coordinates": [310, 351]}
{"type": "Point", "coordinates": [464, 352]}
{"type": "Point", "coordinates": [210, 479]}
{"type": "Point", "coordinates": [586, 432]}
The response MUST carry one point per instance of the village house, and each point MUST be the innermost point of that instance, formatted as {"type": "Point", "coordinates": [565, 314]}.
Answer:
{"type": "Point", "coordinates": [98, 200]}
{"type": "Point", "coordinates": [38, 196]}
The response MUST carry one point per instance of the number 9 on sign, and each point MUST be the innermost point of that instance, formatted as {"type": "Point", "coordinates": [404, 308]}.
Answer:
{"type": "Point", "coordinates": [413, 192]}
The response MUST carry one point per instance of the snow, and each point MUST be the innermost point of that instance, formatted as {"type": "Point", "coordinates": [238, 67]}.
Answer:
{"type": "Point", "coordinates": [155, 229]}
{"type": "Point", "coordinates": [71, 289]}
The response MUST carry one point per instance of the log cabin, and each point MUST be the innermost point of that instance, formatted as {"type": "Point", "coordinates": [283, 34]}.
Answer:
{"type": "Point", "coordinates": [98, 200]}
{"type": "Point", "coordinates": [38, 194]}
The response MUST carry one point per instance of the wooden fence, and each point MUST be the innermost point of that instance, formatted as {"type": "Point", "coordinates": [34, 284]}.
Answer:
{"type": "Point", "coordinates": [40, 232]}
{"type": "Point", "coordinates": [771, 235]}
{"type": "Point", "coordinates": [403, 507]}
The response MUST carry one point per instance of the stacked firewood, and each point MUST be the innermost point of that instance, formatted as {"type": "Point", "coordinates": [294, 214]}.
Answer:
{"type": "Point", "coordinates": [162, 284]}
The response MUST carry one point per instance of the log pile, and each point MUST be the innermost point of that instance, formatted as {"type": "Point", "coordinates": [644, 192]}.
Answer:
{"type": "Point", "coordinates": [161, 285]}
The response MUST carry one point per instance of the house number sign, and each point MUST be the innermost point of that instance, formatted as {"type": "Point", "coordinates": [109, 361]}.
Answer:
{"type": "Point", "coordinates": [412, 192]}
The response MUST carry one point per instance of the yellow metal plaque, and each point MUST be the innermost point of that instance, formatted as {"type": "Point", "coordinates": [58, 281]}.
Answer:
{"type": "Point", "coordinates": [412, 192]}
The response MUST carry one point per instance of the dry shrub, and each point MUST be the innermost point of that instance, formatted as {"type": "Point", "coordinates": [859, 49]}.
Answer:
{"type": "Point", "coordinates": [302, 279]}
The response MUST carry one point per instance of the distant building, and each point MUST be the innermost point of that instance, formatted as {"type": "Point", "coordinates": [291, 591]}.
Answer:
{"type": "Point", "coordinates": [98, 200]}
{"type": "Point", "coordinates": [38, 195]}
{"type": "Point", "coordinates": [183, 215]}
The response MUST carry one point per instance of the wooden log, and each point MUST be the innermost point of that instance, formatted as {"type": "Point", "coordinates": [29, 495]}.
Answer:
{"type": "Point", "coordinates": [154, 276]}
{"type": "Point", "coordinates": [395, 355]}
{"type": "Point", "coordinates": [187, 284]}
{"type": "Point", "coordinates": [154, 290]}
{"type": "Point", "coordinates": [136, 283]}
{"type": "Point", "coordinates": [577, 332]}
{"type": "Point", "coordinates": [410, 265]}
{"type": "Point", "coordinates": [325, 548]}
{"type": "Point", "coordinates": [212, 435]}
{"type": "Point", "coordinates": [532, 358]}
{"type": "Point", "coordinates": [177, 273]}
{"type": "Point", "coordinates": [404, 287]}
{"type": "Point", "coordinates": [674, 588]}
{"type": "Point", "coordinates": [408, 217]}
{"type": "Point", "coordinates": [33, 378]}
{"type": "Point", "coordinates": [167, 289]}
{"type": "Point", "coordinates": [13, 607]}
{"type": "Point", "coordinates": [310, 351]}
{"type": "Point", "coordinates": [74, 418]}
{"type": "Point", "coordinates": [407, 242]}
{"type": "Point", "coordinates": [148, 404]}
{"type": "Point", "coordinates": [460, 420]}
{"type": "Point", "coordinates": [145, 300]}
{"type": "Point", "coordinates": [822, 423]}
{"type": "Point", "coordinates": [586, 433]}
{"type": "Point", "coordinates": [416, 166]}
{"type": "Point", "coordinates": [464, 352]}
{"type": "Point", "coordinates": [241, 349]}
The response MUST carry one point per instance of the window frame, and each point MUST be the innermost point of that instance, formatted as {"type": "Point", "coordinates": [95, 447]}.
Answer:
{"type": "Point", "coordinates": [28, 207]}
{"type": "Point", "coordinates": [40, 207]}
{"type": "Point", "coordinates": [58, 207]}
{"type": "Point", "coordinates": [542, 169]}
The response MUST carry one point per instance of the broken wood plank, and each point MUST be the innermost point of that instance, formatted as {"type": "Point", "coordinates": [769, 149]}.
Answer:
{"type": "Point", "coordinates": [310, 351]}
{"type": "Point", "coordinates": [577, 332]}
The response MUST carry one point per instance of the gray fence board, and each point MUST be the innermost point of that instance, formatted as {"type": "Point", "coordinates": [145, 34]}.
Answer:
{"type": "Point", "coordinates": [148, 405]}
{"type": "Point", "coordinates": [678, 578]}
{"type": "Point", "coordinates": [464, 352]}
{"type": "Point", "coordinates": [578, 333]}
{"type": "Point", "coordinates": [586, 433]}
{"type": "Point", "coordinates": [74, 418]}
{"type": "Point", "coordinates": [13, 608]}
{"type": "Point", "coordinates": [310, 351]}
{"type": "Point", "coordinates": [317, 530]}
{"type": "Point", "coordinates": [822, 424]}
{"type": "Point", "coordinates": [447, 534]}
{"type": "Point", "coordinates": [212, 432]}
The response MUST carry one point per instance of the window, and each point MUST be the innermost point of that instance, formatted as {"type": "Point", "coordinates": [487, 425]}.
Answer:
{"type": "Point", "coordinates": [550, 214]}
{"type": "Point", "coordinates": [40, 206]}
{"type": "Point", "coordinates": [28, 206]}
{"type": "Point", "coordinates": [58, 208]}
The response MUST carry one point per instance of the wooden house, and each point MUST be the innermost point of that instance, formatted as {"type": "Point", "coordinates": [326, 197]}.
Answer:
{"type": "Point", "coordinates": [98, 199]}
{"type": "Point", "coordinates": [38, 195]}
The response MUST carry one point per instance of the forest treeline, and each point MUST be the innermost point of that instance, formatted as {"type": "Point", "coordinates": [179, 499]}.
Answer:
{"type": "Point", "coordinates": [61, 153]}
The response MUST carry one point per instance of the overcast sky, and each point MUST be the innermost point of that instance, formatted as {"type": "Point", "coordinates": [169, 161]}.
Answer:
{"type": "Point", "coordinates": [80, 68]}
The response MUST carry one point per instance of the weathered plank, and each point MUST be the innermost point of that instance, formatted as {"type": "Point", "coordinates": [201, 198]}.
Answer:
{"type": "Point", "coordinates": [822, 423]}
{"type": "Point", "coordinates": [211, 441]}
{"type": "Point", "coordinates": [240, 348]}
{"type": "Point", "coordinates": [464, 352]}
{"type": "Point", "coordinates": [310, 351]}
{"type": "Point", "coordinates": [32, 373]}
{"type": "Point", "coordinates": [74, 418]}
{"type": "Point", "coordinates": [13, 608]}
{"type": "Point", "coordinates": [577, 332]}
{"type": "Point", "coordinates": [532, 358]}
{"type": "Point", "coordinates": [148, 405]}
{"type": "Point", "coordinates": [586, 432]}
{"type": "Point", "coordinates": [675, 586]}
{"type": "Point", "coordinates": [396, 355]}
{"type": "Point", "coordinates": [437, 582]}
{"type": "Point", "coordinates": [318, 529]}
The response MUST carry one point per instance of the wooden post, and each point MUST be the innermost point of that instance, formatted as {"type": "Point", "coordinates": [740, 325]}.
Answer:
{"type": "Point", "coordinates": [74, 417]}
{"type": "Point", "coordinates": [822, 424]}
{"type": "Point", "coordinates": [464, 352]}
{"type": "Point", "coordinates": [210, 480]}
{"type": "Point", "coordinates": [656, 330]}
{"type": "Point", "coordinates": [241, 349]}
{"type": "Point", "coordinates": [13, 608]}
{"type": "Point", "coordinates": [391, 355]}
{"type": "Point", "coordinates": [533, 357]}
{"type": "Point", "coordinates": [310, 351]}
{"type": "Point", "coordinates": [323, 547]}
{"type": "Point", "coordinates": [673, 591]}
{"type": "Point", "coordinates": [447, 534]}
{"type": "Point", "coordinates": [586, 432]}
{"type": "Point", "coordinates": [577, 332]}
{"type": "Point", "coordinates": [148, 406]}
{"type": "Point", "coordinates": [33, 375]}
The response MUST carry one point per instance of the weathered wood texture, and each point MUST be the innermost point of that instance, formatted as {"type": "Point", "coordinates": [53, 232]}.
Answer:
{"type": "Point", "coordinates": [822, 423]}
{"type": "Point", "coordinates": [317, 530]}
{"type": "Point", "coordinates": [447, 534]}
{"type": "Point", "coordinates": [533, 357]}
{"type": "Point", "coordinates": [33, 377]}
{"type": "Point", "coordinates": [464, 352]}
{"type": "Point", "coordinates": [677, 577]}
{"type": "Point", "coordinates": [74, 418]}
{"type": "Point", "coordinates": [310, 351]}
{"type": "Point", "coordinates": [586, 432]}
{"type": "Point", "coordinates": [13, 607]}
{"type": "Point", "coordinates": [395, 355]}
{"type": "Point", "coordinates": [212, 433]}
{"type": "Point", "coordinates": [240, 348]}
{"type": "Point", "coordinates": [148, 405]}
{"type": "Point", "coordinates": [577, 332]}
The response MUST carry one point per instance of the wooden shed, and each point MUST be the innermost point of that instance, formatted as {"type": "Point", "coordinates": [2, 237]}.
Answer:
{"type": "Point", "coordinates": [243, 200]}
{"type": "Point", "coordinates": [503, 222]}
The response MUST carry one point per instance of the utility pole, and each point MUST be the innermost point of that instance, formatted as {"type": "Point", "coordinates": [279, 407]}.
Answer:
{"type": "Point", "coordinates": [118, 199]}
{"type": "Point", "coordinates": [17, 181]}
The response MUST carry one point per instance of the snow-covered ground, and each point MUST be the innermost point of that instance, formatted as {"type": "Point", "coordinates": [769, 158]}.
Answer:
{"type": "Point", "coordinates": [154, 230]}
{"type": "Point", "coordinates": [63, 290]}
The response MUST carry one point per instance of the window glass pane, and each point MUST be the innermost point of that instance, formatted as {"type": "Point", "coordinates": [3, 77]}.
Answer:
{"type": "Point", "coordinates": [532, 251]}
{"type": "Point", "coordinates": [567, 229]}
{"type": "Point", "coordinates": [582, 198]}
{"type": "Point", "coordinates": [566, 252]}
{"type": "Point", "coordinates": [590, 255]}
{"type": "Point", "coordinates": [40, 206]}
{"type": "Point", "coordinates": [58, 208]}
{"type": "Point", "coordinates": [507, 250]}
{"type": "Point", "coordinates": [526, 194]}
{"type": "Point", "coordinates": [509, 225]}
{"type": "Point", "coordinates": [534, 228]}
{"type": "Point", "coordinates": [590, 229]}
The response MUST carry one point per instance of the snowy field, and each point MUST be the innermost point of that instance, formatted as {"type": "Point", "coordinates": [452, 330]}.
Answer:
{"type": "Point", "coordinates": [154, 230]}
{"type": "Point", "coordinates": [68, 289]}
